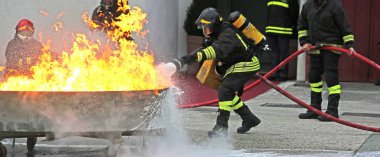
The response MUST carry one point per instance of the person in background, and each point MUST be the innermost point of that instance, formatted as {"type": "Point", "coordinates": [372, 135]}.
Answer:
{"type": "Point", "coordinates": [23, 51]}
{"type": "Point", "coordinates": [106, 13]}
{"type": "Point", "coordinates": [324, 22]}
{"type": "Point", "coordinates": [281, 27]}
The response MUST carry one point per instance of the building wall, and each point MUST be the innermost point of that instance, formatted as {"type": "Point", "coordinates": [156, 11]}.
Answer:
{"type": "Point", "coordinates": [162, 16]}
{"type": "Point", "coordinates": [182, 44]}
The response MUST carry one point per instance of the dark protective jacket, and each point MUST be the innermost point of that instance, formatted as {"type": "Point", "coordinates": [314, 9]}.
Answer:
{"type": "Point", "coordinates": [101, 15]}
{"type": "Point", "coordinates": [230, 50]}
{"type": "Point", "coordinates": [104, 17]}
{"type": "Point", "coordinates": [282, 18]}
{"type": "Point", "coordinates": [326, 23]}
{"type": "Point", "coordinates": [22, 55]}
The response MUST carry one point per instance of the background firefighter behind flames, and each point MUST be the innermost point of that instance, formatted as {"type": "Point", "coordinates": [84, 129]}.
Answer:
{"type": "Point", "coordinates": [107, 12]}
{"type": "Point", "coordinates": [22, 52]}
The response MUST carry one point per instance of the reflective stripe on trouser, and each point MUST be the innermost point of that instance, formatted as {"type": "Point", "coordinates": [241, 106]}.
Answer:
{"type": "Point", "coordinates": [227, 92]}
{"type": "Point", "coordinates": [335, 89]}
{"type": "Point", "coordinates": [316, 87]}
{"type": "Point", "coordinates": [235, 104]}
{"type": "Point", "coordinates": [326, 63]}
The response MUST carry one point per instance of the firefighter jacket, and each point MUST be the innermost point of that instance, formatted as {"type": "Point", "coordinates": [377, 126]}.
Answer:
{"type": "Point", "coordinates": [325, 24]}
{"type": "Point", "coordinates": [229, 49]}
{"type": "Point", "coordinates": [282, 18]}
{"type": "Point", "coordinates": [22, 55]}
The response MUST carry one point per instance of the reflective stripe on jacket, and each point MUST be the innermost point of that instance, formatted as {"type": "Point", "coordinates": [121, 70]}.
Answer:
{"type": "Point", "coordinates": [282, 17]}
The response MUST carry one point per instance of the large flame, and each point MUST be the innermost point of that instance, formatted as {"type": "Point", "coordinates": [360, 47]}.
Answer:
{"type": "Point", "coordinates": [91, 66]}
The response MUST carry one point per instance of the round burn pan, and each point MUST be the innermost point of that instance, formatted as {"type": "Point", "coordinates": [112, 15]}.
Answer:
{"type": "Point", "coordinates": [99, 111]}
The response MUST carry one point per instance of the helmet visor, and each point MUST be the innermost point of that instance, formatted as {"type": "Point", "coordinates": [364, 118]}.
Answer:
{"type": "Point", "coordinates": [206, 29]}
{"type": "Point", "coordinates": [25, 35]}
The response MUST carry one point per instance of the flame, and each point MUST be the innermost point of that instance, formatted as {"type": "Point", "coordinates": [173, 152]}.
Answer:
{"type": "Point", "coordinates": [57, 26]}
{"type": "Point", "coordinates": [93, 66]}
{"type": "Point", "coordinates": [44, 13]}
{"type": "Point", "coordinates": [60, 15]}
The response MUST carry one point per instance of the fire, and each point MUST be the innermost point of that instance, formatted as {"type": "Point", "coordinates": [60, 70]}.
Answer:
{"type": "Point", "coordinates": [93, 66]}
{"type": "Point", "coordinates": [57, 26]}
{"type": "Point", "coordinates": [44, 13]}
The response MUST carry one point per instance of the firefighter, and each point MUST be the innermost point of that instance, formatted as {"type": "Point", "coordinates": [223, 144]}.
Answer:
{"type": "Point", "coordinates": [235, 61]}
{"type": "Point", "coordinates": [23, 51]}
{"type": "Point", "coordinates": [106, 13]}
{"type": "Point", "coordinates": [324, 22]}
{"type": "Point", "coordinates": [281, 27]}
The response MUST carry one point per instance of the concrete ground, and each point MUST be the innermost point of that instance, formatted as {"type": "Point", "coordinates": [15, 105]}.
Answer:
{"type": "Point", "coordinates": [281, 133]}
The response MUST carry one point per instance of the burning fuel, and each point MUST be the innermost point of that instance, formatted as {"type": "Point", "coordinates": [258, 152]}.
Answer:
{"type": "Point", "coordinates": [95, 66]}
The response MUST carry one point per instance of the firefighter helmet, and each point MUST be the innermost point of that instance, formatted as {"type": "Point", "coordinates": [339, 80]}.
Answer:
{"type": "Point", "coordinates": [25, 25]}
{"type": "Point", "coordinates": [209, 21]}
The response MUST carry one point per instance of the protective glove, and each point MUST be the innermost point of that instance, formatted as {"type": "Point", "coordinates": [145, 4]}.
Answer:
{"type": "Point", "coordinates": [306, 47]}
{"type": "Point", "coordinates": [352, 51]}
{"type": "Point", "coordinates": [187, 59]}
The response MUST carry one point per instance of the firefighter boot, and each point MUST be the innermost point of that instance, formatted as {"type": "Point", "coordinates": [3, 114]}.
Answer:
{"type": "Point", "coordinates": [221, 127]}
{"type": "Point", "coordinates": [249, 119]}
{"type": "Point", "coordinates": [332, 108]}
{"type": "Point", "coordinates": [316, 101]}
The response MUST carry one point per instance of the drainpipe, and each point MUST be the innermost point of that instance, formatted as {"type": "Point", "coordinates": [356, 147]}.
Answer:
{"type": "Point", "coordinates": [301, 60]}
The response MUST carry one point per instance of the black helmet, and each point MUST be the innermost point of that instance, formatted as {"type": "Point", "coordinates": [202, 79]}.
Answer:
{"type": "Point", "coordinates": [107, 3]}
{"type": "Point", "coordinates": [209, 21]}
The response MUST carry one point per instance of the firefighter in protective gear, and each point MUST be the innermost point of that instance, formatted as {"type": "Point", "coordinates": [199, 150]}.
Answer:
{"type": "Point", "coordinates": [235, 62]}
{"type": "Point", "coordinates": [324, 22]}
{"type": "Point", "coordinates": [107, 12]}
{"type": "Point", "coordinates": [281, 27]}
{"type": "Point", "coordinates": [23, 51]}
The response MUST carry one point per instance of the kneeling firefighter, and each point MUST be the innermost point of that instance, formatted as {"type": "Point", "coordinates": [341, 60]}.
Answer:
{"type": "Point", "coordinates": [236, 62]}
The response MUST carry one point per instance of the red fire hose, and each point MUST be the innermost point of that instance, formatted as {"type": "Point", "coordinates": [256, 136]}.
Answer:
{"type": "Point", "coordinates": [206, 103]}
{"type": "Point", "coordinates": [302, 103]}
{"type": "Point", "coordinates": [357, 55]}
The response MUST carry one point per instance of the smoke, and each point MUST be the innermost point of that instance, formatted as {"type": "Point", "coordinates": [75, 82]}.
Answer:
{"type": "Point", "coordinates": [174, 142]}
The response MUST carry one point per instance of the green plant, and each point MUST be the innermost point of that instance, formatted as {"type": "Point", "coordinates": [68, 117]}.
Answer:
{"type": "Point", "coordinates": [192, 14]}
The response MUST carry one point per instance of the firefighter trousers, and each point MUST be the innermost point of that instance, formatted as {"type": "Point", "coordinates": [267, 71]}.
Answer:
{"type": "Point", "coordinates": [231, 89]}
{"type": "Point", "coordinates": [280, 51]}
{"type": "Point", "coordinates": [325, 63]}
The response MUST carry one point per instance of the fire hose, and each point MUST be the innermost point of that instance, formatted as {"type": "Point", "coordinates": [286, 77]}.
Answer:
{"type": "Point", "coordinates": [295, 99]}
{"type": "Point", "coordinates": [206, 103]}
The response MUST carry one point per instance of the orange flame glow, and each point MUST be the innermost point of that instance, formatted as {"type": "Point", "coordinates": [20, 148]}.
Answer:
{"type": "Point", "coordinates": [44, 13]}
{"type": "Point", "coordinates": [57, 26]}
{"type": "Point", "coordinates": [93, 66]}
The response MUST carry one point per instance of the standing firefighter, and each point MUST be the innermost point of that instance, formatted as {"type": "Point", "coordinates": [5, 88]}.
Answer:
{"type": "Point", "coordinates": [324, 22]}
{"type": "Point", "coordinates": [281, 27]}
{"type": "Point", "coordinates": [235, 61]}
{"type": "Point", "coordinates": [23, 51]}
